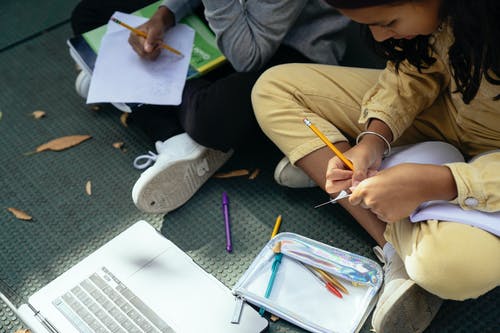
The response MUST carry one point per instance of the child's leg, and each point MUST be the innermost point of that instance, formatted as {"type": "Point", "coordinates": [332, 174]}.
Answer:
{"type": "Point", "coordinates": [451, 260]}
{"type": "Point", "coordinates": [217, 109]}
{"type": "Point", "coordinates": [330, 97]}
{"type": "Point", "coordinates": [219, 114]}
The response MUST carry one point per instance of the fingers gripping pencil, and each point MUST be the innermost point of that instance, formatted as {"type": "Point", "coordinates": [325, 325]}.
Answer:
{"type": "Point", "coordinates": [143, 34]}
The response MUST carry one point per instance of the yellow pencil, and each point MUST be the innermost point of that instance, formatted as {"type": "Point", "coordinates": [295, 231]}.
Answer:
{"type": "Point", "coordinates": [276, 226]}
{"type": "Point", "coordinates": [143, 34]}
{"type": "Point", "coordinates": [329, 144]}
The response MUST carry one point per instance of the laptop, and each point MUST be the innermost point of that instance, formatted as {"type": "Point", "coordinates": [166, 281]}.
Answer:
{"type": "Point", "coordinates": [138, 282]}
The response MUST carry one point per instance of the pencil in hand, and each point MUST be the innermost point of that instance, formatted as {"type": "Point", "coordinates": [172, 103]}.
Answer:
{"type": "Point", "coordinates": [329, 144]}
{"type": "Point", "coordinates": [143, 34]}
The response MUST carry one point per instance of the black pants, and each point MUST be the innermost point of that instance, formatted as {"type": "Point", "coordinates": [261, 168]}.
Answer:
{"type": "Point", "coordinates": [216, 109]}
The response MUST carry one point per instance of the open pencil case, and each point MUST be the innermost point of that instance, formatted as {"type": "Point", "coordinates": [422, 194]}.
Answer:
{"type": "Point", "coordinates": [299, 296]}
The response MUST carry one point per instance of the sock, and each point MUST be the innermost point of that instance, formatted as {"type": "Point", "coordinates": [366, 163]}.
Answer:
{"type": "Point", "coordinates": [389, 250]}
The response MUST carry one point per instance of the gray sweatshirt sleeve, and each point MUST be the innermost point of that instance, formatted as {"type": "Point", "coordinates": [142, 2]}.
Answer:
{"type": "Point", "coordinates": [249, 32]}
{"type": "Point", "coordinates": [180, 8]}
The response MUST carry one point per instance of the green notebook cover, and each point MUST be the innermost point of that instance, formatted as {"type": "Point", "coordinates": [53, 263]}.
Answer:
{"type": "Point", "coordinates": [205, 56]}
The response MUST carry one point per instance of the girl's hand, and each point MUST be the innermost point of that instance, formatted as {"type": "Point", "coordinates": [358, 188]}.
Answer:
{"type": "Point", "coordinates": [394, 193]}
{"type": "Point", "coordinates": [365, 160]}
{"type": "Point", "coordinates": [149, 48]}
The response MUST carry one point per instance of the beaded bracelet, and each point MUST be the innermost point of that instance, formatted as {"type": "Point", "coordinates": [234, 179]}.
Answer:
{"type": "Point", "coordinates": [387, 152]}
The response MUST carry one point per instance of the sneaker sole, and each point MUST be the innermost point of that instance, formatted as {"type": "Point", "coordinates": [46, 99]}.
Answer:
{"type": "Point", "coordinates": [176, 183]}
{"type": "Point", "coordinates": [403, 310]}
{"type": "Point", "coordinates": [82, 80]}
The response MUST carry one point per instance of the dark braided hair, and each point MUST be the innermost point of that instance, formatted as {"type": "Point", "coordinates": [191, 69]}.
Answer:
{"type": "Point", "coordinates": [475, 52]}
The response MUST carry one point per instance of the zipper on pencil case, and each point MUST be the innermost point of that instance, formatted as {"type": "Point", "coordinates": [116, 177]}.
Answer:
{"type": "Point", "coordinates": [238, 308]}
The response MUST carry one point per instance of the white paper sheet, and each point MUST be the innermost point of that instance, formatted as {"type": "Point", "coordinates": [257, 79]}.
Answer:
{"type": "Point", "coordinates": [121, 76]}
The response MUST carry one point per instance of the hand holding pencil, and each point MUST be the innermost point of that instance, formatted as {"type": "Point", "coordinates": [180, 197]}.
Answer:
{"type": "Point", "coordinates": [340, 172]}
{"type": "Point", "coordinates": [147, 39]}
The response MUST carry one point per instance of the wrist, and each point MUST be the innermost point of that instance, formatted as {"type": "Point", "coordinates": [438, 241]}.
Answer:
{"type": "Point", "coordinates": [440, 183]}
{"type": "Point", "coordinates": [378, 126]}
{"type": "Point", "coordinates": [165, 15]}
{"type": "Point", "coordinates": [378, 136]}
{"type": "Point", "coordinates": [376, 141]}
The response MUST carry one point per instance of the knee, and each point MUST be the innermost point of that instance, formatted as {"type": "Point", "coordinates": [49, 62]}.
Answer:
{"type": "Point", "coordinates": [454, 271]}
{"type": "Point", "coordinates": [76, 19]}
{"type": "Point", "coordinates": [269, 89]}
{"type": "Point", "coordinates": [88, 15]}
{"type": "Point", "coordinates": [440, 277]}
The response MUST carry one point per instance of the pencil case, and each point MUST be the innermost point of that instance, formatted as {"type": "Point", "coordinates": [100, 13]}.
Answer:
{"type": "Point", "coordinates": [299, 296]}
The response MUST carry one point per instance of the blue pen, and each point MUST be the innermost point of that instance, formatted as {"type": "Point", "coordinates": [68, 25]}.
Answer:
{"type": "Point", "coordinates": [276, 264]}
{"type": "Point", "coordinates": [225, 211]}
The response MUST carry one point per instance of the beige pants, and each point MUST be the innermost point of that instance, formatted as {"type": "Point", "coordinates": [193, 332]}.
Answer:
{"type": "Point", "coordinates": [451, 260]}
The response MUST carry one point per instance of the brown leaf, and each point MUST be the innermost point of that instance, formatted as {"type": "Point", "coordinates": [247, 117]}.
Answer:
{"type": "Point", "coordinates": [88, 187]}
{"type": "Point", "coordinates": [37, 114]}
{"type": "Point", "coordinates": [274, 318]}
{"type": "Point", "coordinates": [254, 174]}
{"type": "Point", "coordinates": [62, 143]}
{"type": "Point", "coordinates": [230, 174]}
{"type": "Point", "coordinates": [118, 144]}
{"type": "Point", "coordinates": [123, 118]}
{"type": "Point", "coordinates": [21, 215]}
{"type": "Point", "coordinates": [23, 330]}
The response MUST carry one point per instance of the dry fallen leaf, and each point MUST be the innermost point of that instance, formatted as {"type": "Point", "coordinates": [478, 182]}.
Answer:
{"type": "Point", "coordinates": [254, 174]}
{"type": "Point", "coordinates": [123, 118]}
{"type": "Point", "coordinates": [37, 114]}
{"type": "Point", "coordinates": [62, 143]}
{"type": "Point", "coordinates": [21, 215]}
{"type": "Point", "coordinates": [274, 318]}
{"type": "Point", "coordinates": [88, 187]}
{"type": "Point", "coordinates": [23, 330]}
{"type": "Point", "coordinates": [230, 174]}
{"type": "Point", "coordinates": [118, 144]}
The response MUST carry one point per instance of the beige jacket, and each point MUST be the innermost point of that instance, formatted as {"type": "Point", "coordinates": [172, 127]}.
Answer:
{"type": "Point", "coordinates": [397, 99]}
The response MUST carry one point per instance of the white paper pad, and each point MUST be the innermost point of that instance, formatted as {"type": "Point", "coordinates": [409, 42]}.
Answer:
{"type": "Point", "coordinates": [121, 76]}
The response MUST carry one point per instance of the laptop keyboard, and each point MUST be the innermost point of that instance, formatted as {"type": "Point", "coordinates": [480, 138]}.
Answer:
{"type": "Point", "coordinates": [101, 303]}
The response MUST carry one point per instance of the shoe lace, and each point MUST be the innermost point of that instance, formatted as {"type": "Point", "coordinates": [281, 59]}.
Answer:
{"type": "Point", "coordinates": [146, 160]}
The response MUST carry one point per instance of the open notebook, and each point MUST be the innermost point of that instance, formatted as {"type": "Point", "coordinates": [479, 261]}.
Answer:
{"type": "Point", "coordinates": [138, 282]}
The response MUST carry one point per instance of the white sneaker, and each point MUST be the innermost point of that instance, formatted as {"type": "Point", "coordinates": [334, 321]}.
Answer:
{"type": "Point", "coordinates": [82, 84]}
{"type": "Point", "coordinates": [179, 170]}
{"type": "Point", "coordinates": [403, 306]}
{"type": "Point", "coordinates": [288, 175]}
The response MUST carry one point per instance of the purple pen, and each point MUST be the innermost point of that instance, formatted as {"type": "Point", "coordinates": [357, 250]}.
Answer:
{"type": "Point", "coordinates": [225, 210]}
